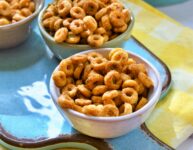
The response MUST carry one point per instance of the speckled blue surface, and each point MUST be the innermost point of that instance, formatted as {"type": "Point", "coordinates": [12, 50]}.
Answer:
{"type": "Point", "coordinates": [26, 109]}
{"type": "Point", "coordinates": [164, 2]}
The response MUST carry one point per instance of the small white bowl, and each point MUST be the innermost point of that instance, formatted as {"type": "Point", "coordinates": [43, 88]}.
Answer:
{"type": "Point", "coordinates": [110, 127]}
{"type": "Point", "coordinates": [14, 34]}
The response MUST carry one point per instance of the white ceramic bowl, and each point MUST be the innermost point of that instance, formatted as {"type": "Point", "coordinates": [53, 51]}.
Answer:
{"type": "Point", "coordinates": [14, 34]}
{"type": "Point", "coordinates": [109, 127]}
{"type": "Point", "coordinates": [63, 50]}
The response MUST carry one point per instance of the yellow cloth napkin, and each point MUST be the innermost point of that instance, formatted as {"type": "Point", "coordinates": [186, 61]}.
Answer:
{"type": "Point", "coordinates": [172, 119]}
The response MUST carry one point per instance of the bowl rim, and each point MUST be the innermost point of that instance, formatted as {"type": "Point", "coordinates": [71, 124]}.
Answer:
{"type": "Point", "coordinates": [119, 37]}
{"type": "Point", "coordinates": [155, 97]}
{"type": "Point", "coordinates": [33, 15]}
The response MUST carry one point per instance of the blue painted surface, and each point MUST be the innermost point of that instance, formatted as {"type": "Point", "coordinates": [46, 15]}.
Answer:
{"type": "Point", "coordinates": [164, 2]}
{"type": "Point", "coordinates": [26, 109]}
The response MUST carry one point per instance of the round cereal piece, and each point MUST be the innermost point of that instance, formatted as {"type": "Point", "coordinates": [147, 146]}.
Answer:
{"type": "Point", "coordinates": [52, 8]}
{"type": "Point", "coordinates": [101, 13]}
{"type": "Point", "coordinates": [64, 8]}
{"type": "Point", "coordinates": [113, 51]}
{"type": "Point", "coordinates": [115, 6]}
{"type": "Point", "coordinates": [95, 40]}
{"type": "Point", "coordinates": [99, 90]}
{"type": "Point", "coordinates": [70, 89]}
{"type": "Point", "coordinates": [105, 22]}
{"type": "Point", "coordinates": [58, 25]}
{"type": "Point", "coordinates": [141, 103]}
{"type": "Point", "coordinates": [90, 7]}
{"type": "Point", "coordinates": [120, 56]}
{"type": "Point", "coordinates": [125, 77]}
{"type": "Point", "coordinates": [72, 38]}
{"type": "Point", "coordinates": [116, 19]}
{"type": "Point", "coordinates": [86, 71]}
{"type": "Point", "coordinates": [66, 22]}
{"type": "Point", "coordinates": [78, 82]}
{"type": "Point", "coordinates": [94, 55]}
{"type": "Point", "coordinates": [59, 78]}
{"type": "Point", "coordinates": [97, 99]}
{"type": "Point", "coordinates": [82, 102]}
{"type": "Point", "coordinates": [18, 17]}
{"type": "Point", "coordinates": [130, 83]}
{"type": "Point", "coordinates": [93, 80]}
{"type": "Point", "coordinates": [120, 29]}
{"type": "Point", "coordinates": [125, 109]}
{"type": "Point", "coordinates": [4, 21]}
{"type": "Point", "coordinates": [76, 26]}
{"type": "Point", "coordinates": [100, 31]}
{"type": "Point", "coordinates": [70, 80]}
{"type": "Point", "coordinates": [99, 64]}
{"type": "Point", "coordinates": [32, 6]}
{"type": "Point", "coordinates": [135, 69]}
{"type": "Point", "coordinates": [79, 58]}
{"type": "Point", "coordinates": [77, 12]}
{"type": "Point", "coordinates": [147, 82]}
{"type": "Point", "coordinates": [127, 15]}
{"type": "Point", "coordinates": [109, 97]}
{"type": "Point", "coordinates": [47, 14]}
{"type": "Point", "coordinates": [84, 91]}
{"type": "Point", "coordinates": [67, 67]}
{"type": "Point", "coordinates": [93, 110]}
{"type": "Point", "coordinates": [90, 23]}
{"type": "Point", "coordinates": [78, 70]}
{"type": "Point", "coordinates": [78, 3]}
{"type": "Point", "coordinates": [113, 80]}
{"type": "Point", "coordinates": [129, 95]}
{"type": "Point", "coordinates": [113, 65]}
{"type": "Point", "coordinates": [110, 111]}
{"type": "Point", "coordinates": [141, 87]}
{"type": "Point", "coordinates": [61, 35]}
{"type": "Point", "coordinates": [26, 12]}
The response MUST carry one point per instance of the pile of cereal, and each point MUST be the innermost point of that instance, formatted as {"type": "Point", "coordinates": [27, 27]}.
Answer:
{"type": "Point", "coordinates": [92, 22]}
{"type": "Point", "coordinates": [12, 11]}
{"type": "Point", "coordinates": [97, 86]}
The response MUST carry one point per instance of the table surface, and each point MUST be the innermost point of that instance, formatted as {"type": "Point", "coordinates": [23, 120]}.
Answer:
{"type": "Point", "coordinates": [182, 13]}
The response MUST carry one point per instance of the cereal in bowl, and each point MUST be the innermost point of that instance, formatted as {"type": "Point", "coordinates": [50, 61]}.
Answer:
{"type": "Point", "coordinates": [99, 86]}
{"type": "Point", "coordinates": [12, 11]}
{"type": "Point", "coordinates": [91, 22]}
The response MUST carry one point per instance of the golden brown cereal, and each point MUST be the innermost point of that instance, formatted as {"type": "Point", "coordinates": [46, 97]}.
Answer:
{"type": "Point", "coordinates": [109, 96]}
{"type": "Point", "coordinates": [94, 79]}
{"type": "Point", "coordinates": [82, 101]}
{"type": "Point", "coordinates": [97, 99]}
{"type": "Point", "coordinates": [85, 34]}
{"type": "Point", "coordinates": [66, 22]}
{"type": "Point", "coordinates": [127, 15]}
{"type": "Point", "coordinates": [95, 40]}
{"type": "Point", "coordinates": [116, 19]}
{"type": "Point", "coordinates": [147, 82]}
{"type": "Point", "coordinates": [72, 38]}
{"type": "Point", "coordinates": [141, 103]}
{"type": "Point", "coordinates": [67, 67]}
{"type": "Point", "coordinates": [113, 90]}
{"type": "Point", "coordinates": [78, 70]}
{"type": "Point", "coordinates": [58, 25]}
{"type": "Point", "coordinates": [100, 13]}
{"type": "Point", "coordinates": [129, 95]}
{"type": "Point", "coordinates": [113, 80]}
{"type": "Point", "coordinates": [77, 12]}
{"type": "Point", "coordinates": [125, 109]}
{"type": "Point", "coordinates": [90, 23]}
{"type": "Point", "coordinates": [26, 12]}
{"type": "Point", "coordinates": [64, 8]}
{"type": "Point", "coordinates": [110, 110]}
{"type": "Point", "coordinates": [70, 89]}
{"type": "Point", "coordinates": [90, 7]}
{"type": "Point", "coordinates": [99, 90]}
{"type": "Point", "coordinates": [59, 78]}
{"type": "Point", "coordinates": [84, 91]}
{"type": "Point", "coordinates": [61, 35]}
{"type": "Point", "coordinates": [105, 22]}
{"type": "Point", "coordinates": [130, 83]}
{"type": "Point", "coordinates": [98, 64]}
{"type": "Point", "coordinates": [121, 28]}
{"type": "Point", "coordinates": [76, 26]}
{"type": "Point", "coordinates": [113, 65]}
{"type": "Point", "coordinates": [4, 21]}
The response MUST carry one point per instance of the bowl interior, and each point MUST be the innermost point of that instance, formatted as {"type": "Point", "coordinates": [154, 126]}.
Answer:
{"type": "Point", "coordinates": [153, 95]}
